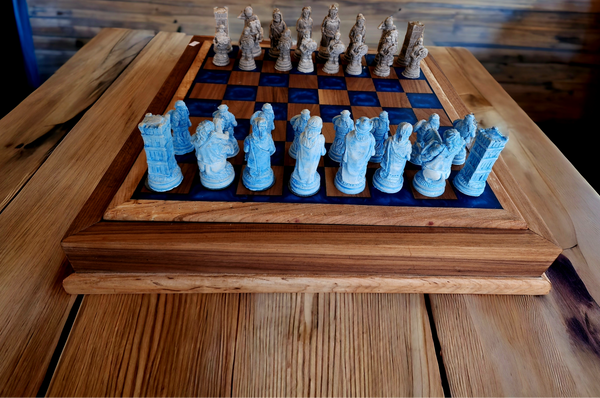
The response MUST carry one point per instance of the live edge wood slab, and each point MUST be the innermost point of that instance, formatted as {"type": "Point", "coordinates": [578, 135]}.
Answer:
{"type": "Point", "coordinates": [224, 248]}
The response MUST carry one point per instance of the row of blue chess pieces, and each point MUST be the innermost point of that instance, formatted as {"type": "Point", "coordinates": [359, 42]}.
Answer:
{"type": "Point", "coordinates": [356, 144]}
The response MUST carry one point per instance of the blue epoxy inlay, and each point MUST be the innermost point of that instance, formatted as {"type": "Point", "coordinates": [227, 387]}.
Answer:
{"type": "Point", "coordinates": [331, 83]}
{"type": "Point", "coordinates": [240, 93]}
{"type": "Point", "coordinates": [201, 107]}
{"type": "Point", "coordinates": [328, 112]}
{"type": "Point", "coordinates": [429, 101]}
{"type": "Point", "coordinates": [274, 80]}
{"type": "Point", "coordinates": [363, 98]}
{"type": "Point", "coordinates": [212, 76]}
{"type": "Point", "coordinates": [279, 109]}
{"type": "Point", "coordinates": [388, 85]}
{"type": "Point", "coordinates": [399, 115]}
{"type": "Point", "coordinates": [303, 96]}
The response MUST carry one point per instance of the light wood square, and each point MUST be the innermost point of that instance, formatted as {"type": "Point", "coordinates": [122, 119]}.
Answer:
{"type": "Point", "coordinates": [329, 132]}
{"type": "Point", "coordinates": [368, 111]}
{"type": "Point", "coordinates": [330, 173]}
{"type": "Point", "coordinates": [269, 67]}
{"type": "Point", "coordinates": [360, 84]}
{"type": "Point", "coordinates": [303, 81]}
{"type": "Point", "coordinates": [196, 121]}
{"type": "Point", "coordinates": [209, 65]}
{"type": "Point", "coordinates": [422, 113]}
{"type": "Point", "coordinates": [415, 86]}
{"type": "Point", "coordinates": [392, 74]}
{"type": "Point", "coordinates": [244, 78]}
{"type": "Point", "coordinates": [272, 94]}
{"type": "Point", "coordinates": [238, 160]}
{"type": "Point", "coordinates": [208, 91]}
{"type": "Point", "coordinates": [296, 109]}
{"type": "Point", "coordinates": [280, 130]}
{"type": "Point", "coordinates": [275, 190]}
{"type": "Point", "coordinates": [409, 175]}
{"type": "Point", "coordinates": [393, 100]}
{"type": "Point", "coordinates": [334, 97]}
{"type": "Point", "coordinates": [240, 109]}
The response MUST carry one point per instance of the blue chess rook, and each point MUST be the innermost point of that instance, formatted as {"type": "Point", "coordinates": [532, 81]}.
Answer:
{"type": "Point", "coordinates": [360, 146]}
{"type": "Point", "coordinates": [437, 163]}
{"type": "Point", "coordinates": [180, 123]}
{"type": "Point", "coordinates": [227, 124]}
{"type": "Point", "coordinates": [389, 177]}
{"type": "Point", "coordinates": [212, 150]}
{"type": "Point", "coordinates": [381, 131]}
{"type": "Point", "coordinates": [467, 128]}
{"type": "Point", "coordinates": [427, 131]}
{"type": "Point", "coordinates": [342, 125]}
{"type": "Point", "coordinates": [298, 123]}
{"type": "Point", "coordinates": [305, 180]}
{"type": "Point", "coordinates": [258, 148]}
{"type": "Point", "coordinates": [164, 173]}
{"type": "Point", "coordinates": [484, 153]}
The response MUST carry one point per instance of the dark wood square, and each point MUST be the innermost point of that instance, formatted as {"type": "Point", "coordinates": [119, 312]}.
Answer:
{"type": "Point", "coordinates": [275, 190]}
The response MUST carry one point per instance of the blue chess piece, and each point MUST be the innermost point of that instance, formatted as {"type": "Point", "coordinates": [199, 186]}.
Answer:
{"type": "Point", "coordinates": [437, 159]}
{"type": "Point", "coordinates": [343, 124]}
{"type": "Point", "coordinates": [360, 146]}
{"type": "Point", "coordinates": [212, 150]}
{"type": "Point", "coordinates": [381, 130]}
{"type": "Point", "coordinates": [258, 147]}
{"type": "Point", "coordinates": [427, 130]}
{"type": "Point", "coordinates": [298, 123]}
{"type": "Point", "coordinates": [227, 124]}
{"type": "Point", "coordinates": [180, 123]}
{"type": "Point", "coordinates": [484, 153]}
{"type": "Point", "coordinates": [305, 180]}
{"type": "Point", "coordinates": [467, 128]}
{"type": "Point", "coordinates": [389, 177]}
{"type": "Point", "coordinates": [266, 111]}
{"type": "Point", "coordinates": [164, 173]}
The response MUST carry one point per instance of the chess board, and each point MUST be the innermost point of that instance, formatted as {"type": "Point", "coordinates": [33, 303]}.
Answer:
{"type": "Point", "coordinates": [244, 235]}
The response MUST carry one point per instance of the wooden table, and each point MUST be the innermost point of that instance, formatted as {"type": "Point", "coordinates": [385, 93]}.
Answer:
{"type": "Point", "coordinates": [270, 344]}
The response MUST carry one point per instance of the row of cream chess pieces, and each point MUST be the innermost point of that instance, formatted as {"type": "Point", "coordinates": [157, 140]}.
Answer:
{"type": "Point", "coordinates": [357, 142]}
{"type": "Point", "coordinates": [330, 46]}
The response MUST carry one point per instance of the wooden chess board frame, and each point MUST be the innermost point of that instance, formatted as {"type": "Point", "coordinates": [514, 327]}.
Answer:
{"type": "Point", "coordinates": [120, 245]}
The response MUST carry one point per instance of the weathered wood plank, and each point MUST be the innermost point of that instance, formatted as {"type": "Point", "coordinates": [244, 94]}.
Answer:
{"type": "Point", "coordinates": [33, 304]}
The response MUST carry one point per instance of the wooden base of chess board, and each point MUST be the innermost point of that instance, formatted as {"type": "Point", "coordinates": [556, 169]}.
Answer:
{"type": "Point", "coordinates": [128, 239]}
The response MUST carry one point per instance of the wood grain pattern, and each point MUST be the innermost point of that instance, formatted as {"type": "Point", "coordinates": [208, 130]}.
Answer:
{"type": "Point", "coordinates": [33, 129]}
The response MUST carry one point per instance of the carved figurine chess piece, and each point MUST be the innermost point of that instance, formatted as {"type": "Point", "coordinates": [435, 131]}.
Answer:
{"type": "Point", "coordinates": [284, 62]}
{"type": "Point", "coordinates": [485, 151]}
{"type": "Point", "coordinates": [305, 180]}
{"type": "Point", "coordinates": [180, 123]}
{"type": "Point", "coordinates": [221, 46]}
{"type": "Point", "coordinates": [336, 47]}
{"type": "Point", "coordinates": [342, 124]}
{"type": "Point", "coordinates": [304, 27]}
{"type": "Point", "coordinates": [306, 50]}
{"type": "Point", "coordinates": [266, 112]}
{"type": "Point", "coordinates": [360, 146]}
{"type": "Point", "coordinates": [212, 150]}
{"type": "Point", "coordinates": [467, 128]}
{"type": "Point", "coordinates": [258, 149]}
{"type": "Point", "coordinates": [252, 22]}
{"type": "Point", "coordinates": [436, 160]}
{"type": "Point", "coordinates": [414, 31]}
{"type": "Point", "coordinates": [164, 173]}
{"type": "Point", "coordinates": [427, 131]}
{"type": "Point", "coordinates": [247, 46]}
{"type": "Point", "coordinates": [357, 35]}
{"type": "Point", "coordinates": [385, 57]}
{"type": "Point", "coordinates": [226, 125]}
{"type": "Point", "coordinates": [298, 123]}
{"type": "Point", "coordinates": [355, 66]}
{"type": "Point", "coordinates": [388, 29]}
{"type": "Point", "coordinates": [413, 69]}
{"type": "Point", "coordinates": [222, 19]}
{"type": "Point", "coordinates": [276, 30]}
{"type": "Point", "coordinates": [329, 27]}
{"type": "Point", "coordinates": [389, 178]}
{"type": "Point", "coordinates": [381, 131]}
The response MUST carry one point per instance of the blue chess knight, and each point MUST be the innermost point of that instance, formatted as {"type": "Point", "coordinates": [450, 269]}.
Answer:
{"type": "Point", "coordinates": [360, 146]}
{"type": "Point", "coordinates": [227, 124]}
{"type": "Point", "coordinates": [305, 180]}
{"type": "Point", "coordinates": [298, 123]}
{"type": "Point", "coordinates": [342, 124]}
{"type": "Point", "coordinates": [164, 173]}
{"type": "Point", "coordinates": [212, 150]}
{"type": "Point", "coordinates": [180, 123]}
{"type": "Point", "coordinates": [389, 177]}
{"type": "Point", "coordinates": [381, 130]}
{"type": "Point", "coordinates": [258, 147]}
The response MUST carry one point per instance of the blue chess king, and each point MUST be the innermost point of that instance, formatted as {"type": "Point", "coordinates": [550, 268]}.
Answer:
{"type": "Point", "coordinates": [258, 148]}
{"type": "Point", "coordinates": [298, 123]}
{"type": "Point", "coordinates": [180, 123]}
{"type": "Point", "coordinates": [226, 124]}
{"type": "Point", "coordinates": [389, 178]}
{"type": "Point", "coordinates": [342, 124]}
{"type": "Point", "coordinates": [212, 150]}
{"type": "Point", "coordinates": [484, 152]}
{"type": "Point", "coordinates": [381, 131]}
{"type": "Point", "coordinates": [305, 180]}
{"type": "Point", "coordinates": [360, 146]}
{"type": "Point", "coordinates": [164, 173]}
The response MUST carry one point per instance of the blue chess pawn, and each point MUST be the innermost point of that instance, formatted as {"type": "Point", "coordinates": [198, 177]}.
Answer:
{"type": "Point", "coordinates": [164, 173]}
{"type": "Point", "coordinates": [427, 130]}
{"type": "Point", "coordinates": [305, 180]}
{"type": "Point", "coordinates": [298, 123]}
{"type": "Point", "coordinates": [467, 128]}
{"type": "Point", "coordinates": [381, 130]}
{"type": "Point", "coordinates": [484, 153]}
{"type": "Point", "coordinates": [389, 177]}
{"type": "Point", "coordinates": [342, 124]}
{"type": "Point", "coordinates": [437, 159]}
{"type": "Point", "coordinates": [212, 150]}
{"type": "Point", "coordinates": [258, 147]}
{"type": "Point", "coordinates": [180, 123]}
{"type": "Point", "coordinates": [266, 111]}
{"type": "Point", "coordinates": [227, 124]}
{"type": "Point", "coordinates": [360, 146]}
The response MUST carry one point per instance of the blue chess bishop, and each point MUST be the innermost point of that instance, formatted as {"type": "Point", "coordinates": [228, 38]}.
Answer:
{"type": "Point", "coordinates": [180, 123]}
{"type": "Point", "coordinates": [342, 124]}
{"type": "Point", "coordinates": [227, 124]}
{"type": "Point", "coordinates": [298, 123]}
{"type": "Point", "coordinates": [381, 130]}
{"type": "Point", "coordinates": [258, 148]}
{"type": "Point", "coordinates": [305, 180]}
{"type": "Point", "coordinates": [360, 146]}
{"type": "Point", "coordinates": [266, 111]}
{"type": "Point", "coordinates": [437, 159]}
{"type": "Point", "coordinates": [164, 173]}
{"type": "Point", "coordinates": [389, 178]}
{"type": "Point", "coordinates": [212, 150]}
{"type": "Point", "coordinates": [427, 132]}
{"type": "Point", "coordinates": [467, 128]}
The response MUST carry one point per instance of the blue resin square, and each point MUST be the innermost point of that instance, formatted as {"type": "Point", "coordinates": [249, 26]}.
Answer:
{"type": "Point", "coordinates": [202, 107]}
{"type": "Point", "coordinates": [242, 130]}
{"type": "Point", "coordinates": [303, 96]}
{"type": "Point", "coordinates": [240, 93]}
{"type": "Point", "coordinates": [363, 98]}
{"type": "Point", "coordinates": [429, 101]}
{"type": "Point", "coordinates": [279, 108]}
{"type": "Point", "coordinates": [273, 80]}
{"type": "Point", "coordinates": [213, 76]}
{"type": "Point", "coordinates": [399, 115]}
{"type": "Point", "coordinates": [388, 85]}
{"type": "Point", "coordinates": [328, 112]}
{"type": "Point", "coordinates": [331, 83]}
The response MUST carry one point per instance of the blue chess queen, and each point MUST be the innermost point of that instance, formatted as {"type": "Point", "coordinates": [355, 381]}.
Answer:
{"type": "Point", "coordinates": [360, 146]}
{"type": "Point", "coordinates": [305, 180]}
{"type": "Point", "coordinates": [212, 150]}
{"type": "Point", "coordinates": [258, 148]}
{"type": "Point", "coordinates": [389, 177]}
